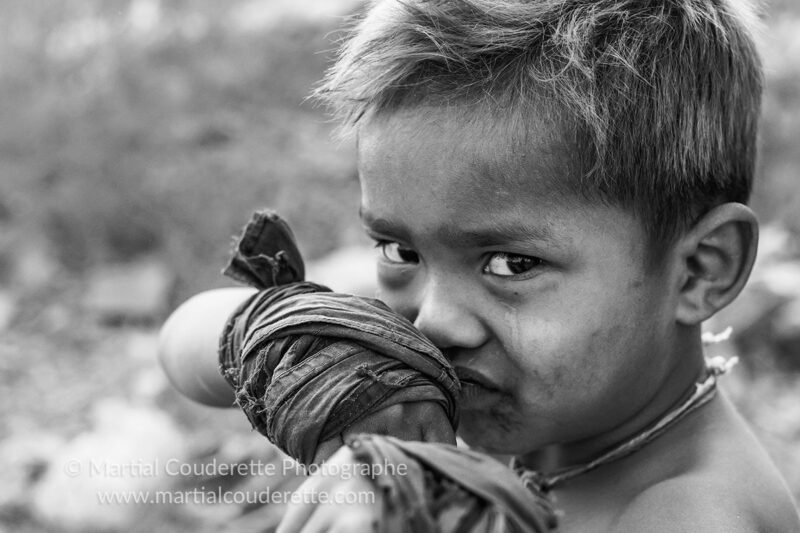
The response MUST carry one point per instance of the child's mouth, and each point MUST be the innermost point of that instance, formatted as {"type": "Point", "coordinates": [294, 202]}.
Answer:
{"type": "Point", "coordinates": [476, 389]}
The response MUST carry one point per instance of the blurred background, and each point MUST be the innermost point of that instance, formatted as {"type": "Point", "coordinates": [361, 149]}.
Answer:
{"type": "Point", "coordinates": [136, 137]}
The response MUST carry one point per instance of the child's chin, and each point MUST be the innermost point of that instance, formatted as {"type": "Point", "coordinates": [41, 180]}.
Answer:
{"type": "Point", "coordinates": [483, 431]}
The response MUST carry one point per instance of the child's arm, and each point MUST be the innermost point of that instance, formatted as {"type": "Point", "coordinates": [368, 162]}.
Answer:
{"type": "Point", "coordinates": [188, 345]}
{"type": "Point", "coordinates": [188, 352]}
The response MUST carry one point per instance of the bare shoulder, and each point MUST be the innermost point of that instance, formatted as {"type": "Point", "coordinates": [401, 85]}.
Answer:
{"type": "Point", "coordinates": [702, 504]}
{"type": "Point", "coordinates": [730, 485]}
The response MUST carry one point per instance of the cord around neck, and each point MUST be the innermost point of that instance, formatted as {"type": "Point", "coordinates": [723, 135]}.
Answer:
{"type": "Point", "coordinates": [705, 390]}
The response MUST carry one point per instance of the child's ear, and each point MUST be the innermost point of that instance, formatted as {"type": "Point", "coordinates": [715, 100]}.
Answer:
{"type": "Point", "coordinates": [716, 257]}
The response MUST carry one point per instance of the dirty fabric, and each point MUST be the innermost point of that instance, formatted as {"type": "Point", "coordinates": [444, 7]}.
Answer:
{"type": "Point", "coordinates": [448, 489]}
{"type": "Point", "coordinates": [306, 363]}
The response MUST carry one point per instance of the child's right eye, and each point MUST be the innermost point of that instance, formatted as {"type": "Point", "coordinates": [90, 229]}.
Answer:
{"type": "Point", "coordinates": [394, 252]}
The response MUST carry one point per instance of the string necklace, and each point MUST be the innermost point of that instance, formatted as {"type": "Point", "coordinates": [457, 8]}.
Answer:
{"type": "Point", "coordinates": [704, 392]}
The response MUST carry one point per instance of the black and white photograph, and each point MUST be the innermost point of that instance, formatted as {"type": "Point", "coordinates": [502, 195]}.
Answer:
{"type": "Point", "coordinates": [399, 266]}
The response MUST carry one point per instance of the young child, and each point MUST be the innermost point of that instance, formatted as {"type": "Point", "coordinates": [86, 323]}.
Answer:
{"type": "Point", "coordinates": [557, 189]}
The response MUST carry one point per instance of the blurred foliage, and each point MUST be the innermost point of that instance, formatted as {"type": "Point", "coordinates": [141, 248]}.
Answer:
{"type": "Point", "coordinates": [133, 128]}
{"type": "Point", "coordinates": [777, 195]}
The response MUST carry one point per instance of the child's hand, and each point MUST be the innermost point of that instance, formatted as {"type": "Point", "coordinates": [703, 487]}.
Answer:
{"type": "Point", "coordinates": [421, 421]}
{"type": "Point", "coordinates": [323, 503]}
{"type": "Point", "coordinates": [316, 507]}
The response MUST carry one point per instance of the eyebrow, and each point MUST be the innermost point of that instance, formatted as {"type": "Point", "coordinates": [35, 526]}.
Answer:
{"type": "Point", "coordinates": [493, 233]}
{"type": "Point", "coordinates": [381, 225]}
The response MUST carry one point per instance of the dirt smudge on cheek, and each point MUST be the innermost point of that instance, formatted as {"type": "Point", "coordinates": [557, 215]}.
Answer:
{"type": "Point", "coordinates": [602, 338]}
{"type": "Point", "coordinates": [601, 350]}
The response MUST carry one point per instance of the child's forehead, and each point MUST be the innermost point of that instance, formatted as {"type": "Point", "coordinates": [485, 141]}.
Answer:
{"type": "Point", "coordinates": [462, 182]}
{"type": "Point", "coordinates": [489, 147]}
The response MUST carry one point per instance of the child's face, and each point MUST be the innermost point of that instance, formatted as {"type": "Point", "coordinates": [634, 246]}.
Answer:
{"type": "Point", "coordinates": [541, 301]}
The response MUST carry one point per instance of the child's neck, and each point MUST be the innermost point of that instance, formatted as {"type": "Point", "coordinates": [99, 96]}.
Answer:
{"type": "Point", "coordinates": [674, 389]}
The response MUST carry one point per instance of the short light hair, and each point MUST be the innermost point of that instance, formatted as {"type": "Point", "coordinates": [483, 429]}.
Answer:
{"type": "Point", "coordinates": [661, 97]}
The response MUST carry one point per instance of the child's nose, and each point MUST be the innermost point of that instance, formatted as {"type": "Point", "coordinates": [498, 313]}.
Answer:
{"type": "Point", "coordinates": [445, 316]}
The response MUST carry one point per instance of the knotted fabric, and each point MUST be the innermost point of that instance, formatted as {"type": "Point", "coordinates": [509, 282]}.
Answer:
{"type": "Point", "coordinates": [444, 489]}
{"type": "Point", "coordinates": [306, 363]}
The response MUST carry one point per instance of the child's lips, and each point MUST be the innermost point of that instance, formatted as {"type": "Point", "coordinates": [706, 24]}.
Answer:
{"type": "Point", "coordinates": [476, 388]}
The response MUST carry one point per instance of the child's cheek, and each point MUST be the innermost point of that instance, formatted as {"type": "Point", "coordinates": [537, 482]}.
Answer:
{"type": "Point", "coordinates": [572, 358]}
{"type": "Point", "coordinates": [541, 352]}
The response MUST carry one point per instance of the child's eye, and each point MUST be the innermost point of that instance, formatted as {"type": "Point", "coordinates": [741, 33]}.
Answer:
{"type": "Point", "coordinates": [507, 265]}
{"type": "Point", "coordinates": [394, 252]}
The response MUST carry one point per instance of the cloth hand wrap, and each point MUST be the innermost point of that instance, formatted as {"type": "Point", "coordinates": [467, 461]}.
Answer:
{"type": "Point", "coordinates": [448, 489]}
{"type": "Point", "coordinates": [306, 363]}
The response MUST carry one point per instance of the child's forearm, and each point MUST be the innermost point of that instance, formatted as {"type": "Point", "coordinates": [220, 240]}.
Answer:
{"type": "Point", "coordinates": [188, 345]}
